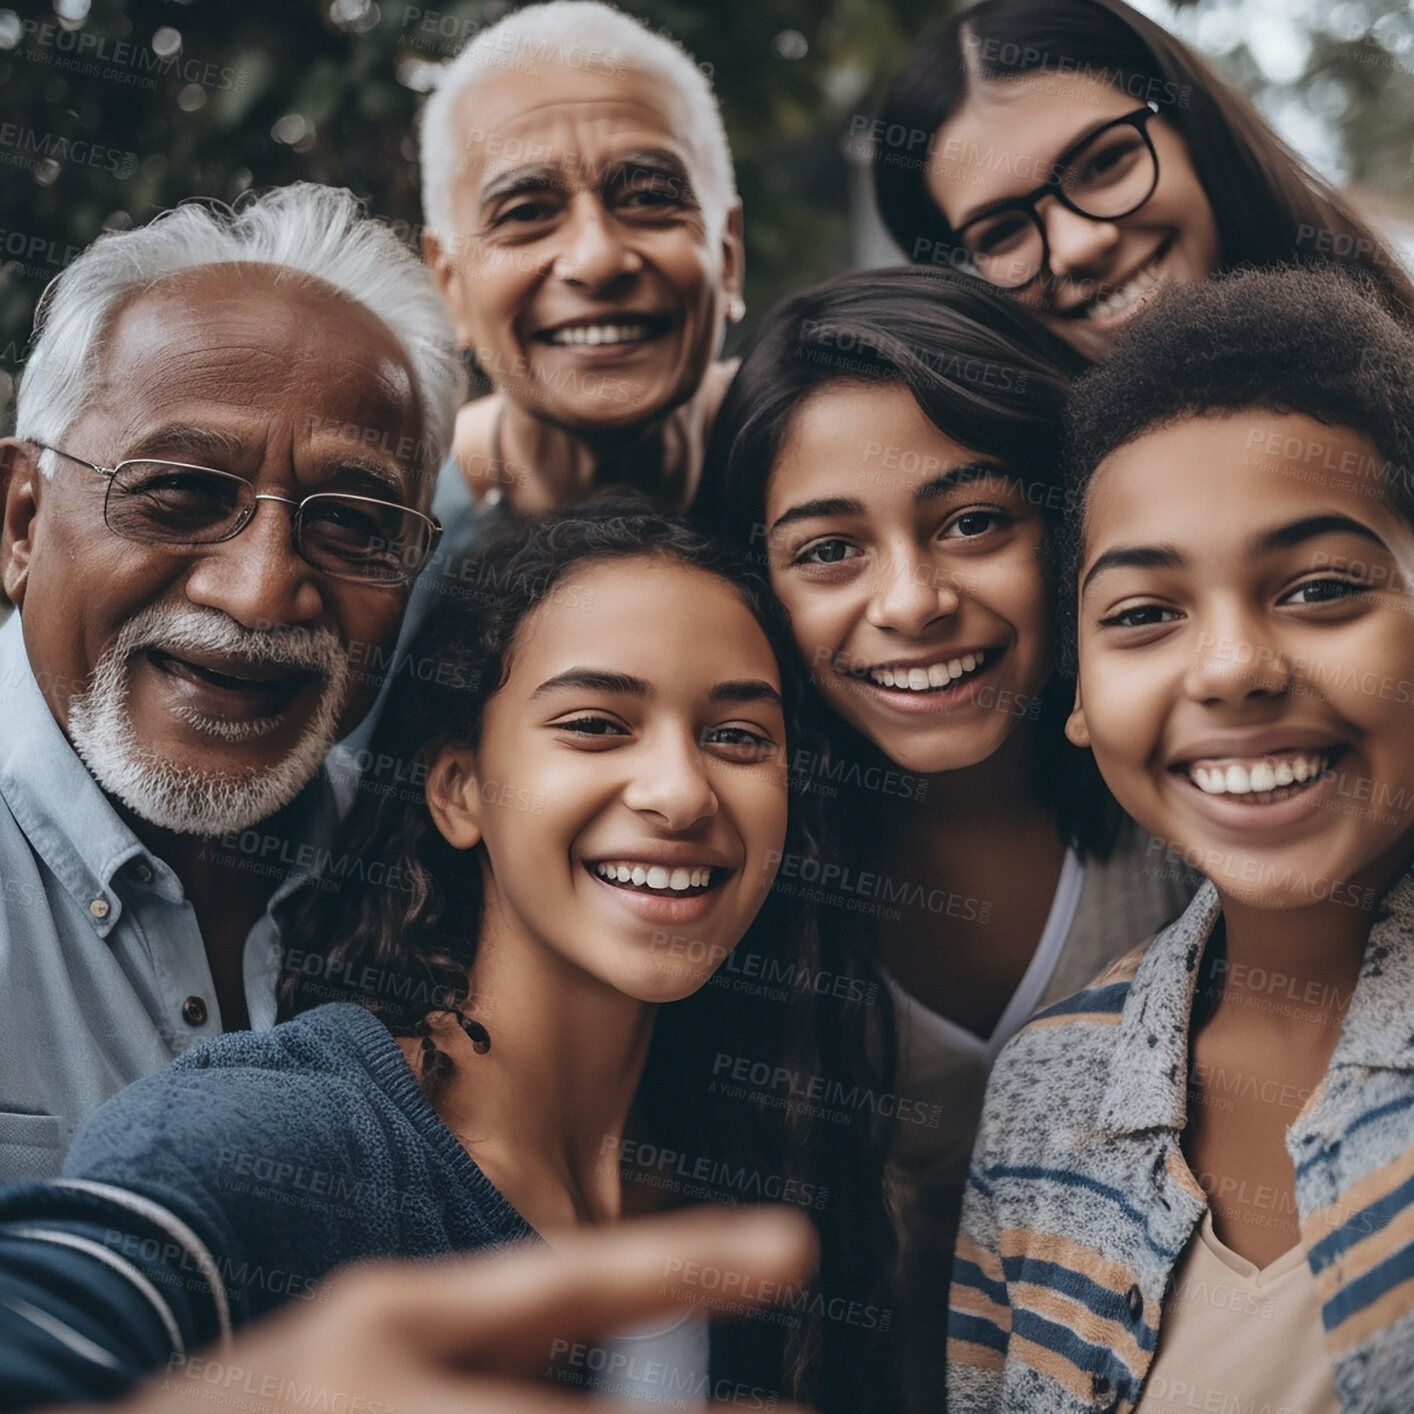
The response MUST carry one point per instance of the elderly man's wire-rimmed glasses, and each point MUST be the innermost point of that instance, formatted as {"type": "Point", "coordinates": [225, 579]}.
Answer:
{"type": "Point", "coordinates": [344, 536]}
{"type": "Point", "coordinates": [1108, 174]}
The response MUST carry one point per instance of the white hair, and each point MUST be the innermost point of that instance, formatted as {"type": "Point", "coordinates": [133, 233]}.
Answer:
{"type": "Point", "coordinates": [577, 34]}
{"type": "Point", "coordinates": [314, 230]}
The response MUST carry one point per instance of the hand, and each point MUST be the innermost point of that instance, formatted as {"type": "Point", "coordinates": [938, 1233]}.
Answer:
{"type": "Point", "coordinates": [470, 1335]}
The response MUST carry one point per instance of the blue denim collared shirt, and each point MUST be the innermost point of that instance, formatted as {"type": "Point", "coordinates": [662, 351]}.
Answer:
{"type": "Point", "coordinates": [103, 976]}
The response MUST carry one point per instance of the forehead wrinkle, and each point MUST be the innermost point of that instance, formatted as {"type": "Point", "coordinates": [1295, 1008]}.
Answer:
{"type": "Point", "coordinates": [477, 118]}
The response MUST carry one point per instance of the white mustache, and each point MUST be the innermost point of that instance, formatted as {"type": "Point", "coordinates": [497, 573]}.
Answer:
{"type": "Point", "coordinates": [172, 629]}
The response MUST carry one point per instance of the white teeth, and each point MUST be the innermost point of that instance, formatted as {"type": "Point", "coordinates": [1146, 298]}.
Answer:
{"type": "Point", "coordinates": [1117, 301]}
{"type": "Point", "coordinates": [600, 334]}
{"type": "Point", "coordinates": [1265, 775]}
{"type": "Point", "coordinates": [935, 675]}
{"type": "Point", "coordinates": [655, 876]}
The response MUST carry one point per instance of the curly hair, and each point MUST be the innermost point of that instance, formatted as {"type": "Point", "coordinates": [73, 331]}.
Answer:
{"type": "Point", "coordinates": [407, 954]}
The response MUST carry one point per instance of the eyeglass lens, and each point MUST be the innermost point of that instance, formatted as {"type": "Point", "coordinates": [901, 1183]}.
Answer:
{"type": "Point", "coordinates": [1113, 174]}
{"type": "Point", "coordinates": [165, 503]}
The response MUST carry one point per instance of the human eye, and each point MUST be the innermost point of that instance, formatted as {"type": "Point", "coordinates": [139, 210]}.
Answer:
{"type": "Point", "coordinates": [650, 193]}
{"type": "Point", "coordinates": [523, 211]}
{"type": "Point", "coordinates": [173, 498]}
{"type": "Point", "coordinates": [998, 234]}
{"type": "Point", "coordinates": [741, 743]}
{"type": "Point", "coordinates": [1107, 159]}
{"type": "Point", "coordinates": [1325, 589]}
{"type": "Point", "coordinates": [591, 725]}
{"type": "Point", "coordinates": [1140, 616]}
{"type": "Point", "coordinates": [828, 550]}
{"type": "Point", "coordinates": [975, 521]}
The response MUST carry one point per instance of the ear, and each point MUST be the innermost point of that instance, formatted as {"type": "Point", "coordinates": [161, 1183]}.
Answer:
{"type": "Point", "coordinates": [1076, 731]}
{"type": "Point", "coordinates": [20, 482]}
{"type": "Point", "coordinates": [454, 796]}
{"type": "Point", "coordinates": [733, 253]}
{"type": "Point", "coordinates": [440, 260]}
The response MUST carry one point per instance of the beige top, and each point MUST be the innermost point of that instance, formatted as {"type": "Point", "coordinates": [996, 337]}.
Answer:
{"type": "Point", "coordinates": [1233, 1337]}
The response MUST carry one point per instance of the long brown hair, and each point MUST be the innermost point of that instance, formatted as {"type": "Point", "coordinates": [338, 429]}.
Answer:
{"type": "Point", "coordinates": [1269, 206]}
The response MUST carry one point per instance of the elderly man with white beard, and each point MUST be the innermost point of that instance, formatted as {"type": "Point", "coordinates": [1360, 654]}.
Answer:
{"type": "Point", "coordinates": [216, 498]}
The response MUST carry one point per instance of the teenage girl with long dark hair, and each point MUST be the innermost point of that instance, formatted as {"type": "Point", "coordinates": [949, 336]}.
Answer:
{"type": "Point", "coordinates": [529, 912]}
{"type": "Point", "coordinates": [1076, 154]}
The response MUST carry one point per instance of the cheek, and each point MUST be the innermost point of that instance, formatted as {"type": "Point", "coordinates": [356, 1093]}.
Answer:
{"type": "Point", "coordinates": [1013, 588]}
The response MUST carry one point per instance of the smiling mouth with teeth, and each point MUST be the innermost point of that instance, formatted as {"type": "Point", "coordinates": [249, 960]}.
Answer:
{"type": "Point", "coordinates": [936, 677]}
{"type": "Point", "coordinates": [1260, 780]}
{"type": "Point", "coordinates": [1134, 292]}
{"type": "Point", "coordinates": [677, 882]}
{"type": "Point", "coordinates": [623, 331]}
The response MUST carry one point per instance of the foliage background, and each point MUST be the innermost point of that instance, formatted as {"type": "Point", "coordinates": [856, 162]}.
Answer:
{"type": "Point", "coordinates": [112, 110]}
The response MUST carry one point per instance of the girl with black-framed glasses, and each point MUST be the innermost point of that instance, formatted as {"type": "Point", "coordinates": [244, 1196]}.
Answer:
{"type": "Point", "coordinates": [984, 161]}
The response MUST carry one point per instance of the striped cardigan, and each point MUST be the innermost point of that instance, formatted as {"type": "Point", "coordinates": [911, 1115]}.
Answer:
{"type": "Point", "coordinates": [1079, 1201]}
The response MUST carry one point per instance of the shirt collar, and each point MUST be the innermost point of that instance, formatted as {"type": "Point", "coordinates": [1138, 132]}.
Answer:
{"type": "Point", "coordinates": [1148, 1085]}
{"type": "Point", "coordinates": [68, 820]}
{"type": "Point", "coordinates": [1377, 1027]}
{"type": "Point", "coordinates": [72, 824]}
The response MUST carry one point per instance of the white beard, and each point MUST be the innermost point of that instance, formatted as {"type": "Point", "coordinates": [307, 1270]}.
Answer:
{"type": "Point", "coordinates": [180, 798]}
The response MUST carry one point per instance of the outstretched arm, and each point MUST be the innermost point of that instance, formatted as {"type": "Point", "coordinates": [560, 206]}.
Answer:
{"type": "Point", "coordinates": [470, 1335]}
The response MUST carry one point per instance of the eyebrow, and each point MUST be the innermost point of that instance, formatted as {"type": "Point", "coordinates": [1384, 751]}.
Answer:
{"type": "Point", "coordinates": [1266, 542]}
{"type": "Point", "coordinates": [1134, 557]}
{"type": "Point", "coordinates": [962, 475]}
{"type": "Point", "coordinates": [180, 438]}
{"type": "Point", "coordinates": [821, 506]}
{"type": "Point", "coordinates": [745, 690]}
{"type": "Point", "coordinates": [518, 179]}
{"type": "Point", "coordinates": [597, 680]}
{"type": "Point", "coordinates": [658, 158]}
{"type": "Point", "coordinates": [376, 478]}
{"type": "Point", "coordinates": [930, 490]}
{"type": "Point", "coordinates": [1285, 537]}
{"type": "Point", "coordinates": [1060, 159]}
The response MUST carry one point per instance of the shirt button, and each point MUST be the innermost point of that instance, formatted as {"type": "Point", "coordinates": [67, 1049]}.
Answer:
{"type": "Point", "coordinates": [143, 872]}
{"type": "Point", "coordinates": [194, 1011]}
{"type": "Point", "coordinates": [99, 908]}
{"type": "Point", "coordinates": [1134, 1300]}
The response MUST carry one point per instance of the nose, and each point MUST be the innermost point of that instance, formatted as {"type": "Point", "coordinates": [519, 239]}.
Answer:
{"type": "Point", "coordinates": [909, 592]}
{"type": "Point", "coordinates": [670, 782]}
{"type": "Point", "coordinates": [594, 253]}
{"type": "Point", "coordinates": [256, 577]}
{"type": "Point", "coordinates": [1235, 660]}
{"type": "Point", "coordinates": [1076, 246]}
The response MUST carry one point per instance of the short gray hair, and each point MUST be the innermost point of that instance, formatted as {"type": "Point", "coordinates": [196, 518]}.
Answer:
{"type": "Point", "coordinates": [576, 34]}
{"type": "Point", "coordinates": [316, 230]}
